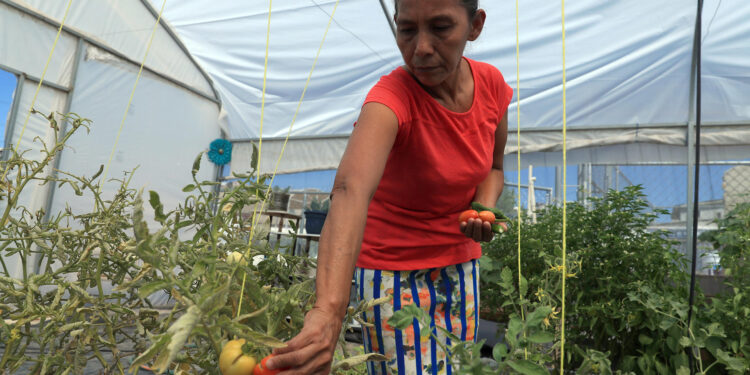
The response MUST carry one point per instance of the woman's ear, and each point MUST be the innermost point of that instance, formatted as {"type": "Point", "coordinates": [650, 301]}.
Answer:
{"type": "Point", "coordinates": [477, 23]}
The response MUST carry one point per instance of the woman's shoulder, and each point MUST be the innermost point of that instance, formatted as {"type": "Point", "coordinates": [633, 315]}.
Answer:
{"type": "Point", "coordinates": [485, 70]}
{"type": "Point", "coordinates": [398, 79]}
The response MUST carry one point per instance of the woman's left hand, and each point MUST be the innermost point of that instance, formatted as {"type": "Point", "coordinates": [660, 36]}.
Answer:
{"type": "Point", "coordinates": [478, 230]}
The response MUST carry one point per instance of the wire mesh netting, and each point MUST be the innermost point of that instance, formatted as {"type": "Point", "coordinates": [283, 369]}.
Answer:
{"type": "Point", "coordinates": [722, 185]}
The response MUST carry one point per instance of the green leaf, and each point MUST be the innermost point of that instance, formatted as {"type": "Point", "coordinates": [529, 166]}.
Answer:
{"type": "Point", "coordinates": [155, 202]}
{"type": "Point", "coordinates": [667, 323]}
{"type": "Point", "coordinates": [353, 361]}
{"type": "Point", "coordinates": [188, 188]}
{"type": "Point", "coordinates": [98, 173]}
{"type": "Point", "coordinates": [499, 352]}
{"type": "Point", "coordinates": [149, 288]}
{"type": "Point", "coordinates": [541, 337]}
{"type": "Point", "coordinates": [523, 286]}
{"type": "Point", "coordinates": [645, 340]}
{"type": "Point", "coordinates": [404, 317]}
{"type": "Point", "coordinates": [506, 281]}
{"type": "Point", "coordinates": [178, 332]}
{"type": "Point", "coordinates": [685, 341]}
{"type": "Point", "coordinates": [683, 371]}
{"type": "Point", "coordinates": [527, 367]}
{"type": "Point", "coordinates": [733, 363]}
{"type": "Point", "coordinates": [673, 344]}
{"type": "Point", "coordinates": [197, 163]}
{"type": "Point", "coordinates": [254, 157]}
{"type": "Point", "coordinates": [537, 316]}
{"type": "Point", "coordinates": [155, 348]}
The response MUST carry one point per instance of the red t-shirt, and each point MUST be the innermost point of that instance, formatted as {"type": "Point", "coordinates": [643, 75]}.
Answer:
{"type": "Point", "coordinates": [438, 159]}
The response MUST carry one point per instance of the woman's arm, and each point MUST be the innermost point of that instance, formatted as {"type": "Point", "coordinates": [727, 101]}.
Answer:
{"type": "Point", "coordinates": [489, 190]}
{"type": "Point", "coordinates": [357, 178]}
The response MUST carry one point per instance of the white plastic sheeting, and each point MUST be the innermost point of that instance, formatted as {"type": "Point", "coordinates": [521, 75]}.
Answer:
{"type": "Point", "coordinates": [165, 130]}
{"type": "Point", "coordinates": [174, 114]}
{"type": "Point", "coordinates": [28, 51]}
{"type": "Point", "coordinates": [126, 27]}
{"type": "Point", "coordinates": [628, 67]}
{"type": "Point", "coordinates": [229, 39]}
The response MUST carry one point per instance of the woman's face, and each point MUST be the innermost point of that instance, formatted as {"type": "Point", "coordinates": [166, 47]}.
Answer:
{"type": "Point", "coordinates": [432, 34]}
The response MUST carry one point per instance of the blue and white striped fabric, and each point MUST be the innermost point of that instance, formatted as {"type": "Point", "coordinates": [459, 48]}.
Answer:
{"type": "Point", "coordinates": [450, 296]}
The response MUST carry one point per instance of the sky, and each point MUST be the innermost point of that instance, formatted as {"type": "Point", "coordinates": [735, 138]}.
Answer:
{"type": "Point", "coordinates": [7, 86]}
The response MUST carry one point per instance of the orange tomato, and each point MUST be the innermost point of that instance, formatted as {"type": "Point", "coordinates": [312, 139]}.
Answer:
{"type": "Point", "coordinates": [487, 216]}
{"type": "Point", "coordinates": [466, 215]}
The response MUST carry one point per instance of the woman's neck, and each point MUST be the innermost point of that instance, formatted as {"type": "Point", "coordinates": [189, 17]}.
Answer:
{"type": "Point", "coordinates": [456, 93]}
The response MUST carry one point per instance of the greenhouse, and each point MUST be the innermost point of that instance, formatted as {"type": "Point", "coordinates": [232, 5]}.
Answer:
{"type": "Point", "coordinates": [168, 178]}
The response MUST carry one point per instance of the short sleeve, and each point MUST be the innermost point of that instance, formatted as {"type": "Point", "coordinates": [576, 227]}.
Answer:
{"type": "Point", "coordinates": [505, 95]}
{"type": "Point", "coordinates": [391, 93]}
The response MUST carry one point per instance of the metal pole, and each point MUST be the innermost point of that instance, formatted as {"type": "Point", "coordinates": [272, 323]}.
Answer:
{"type": "Point", "coordinates": [391, 23]}
{"type": "Point", "coordinates": [51, 185]}
{"type": "Point", "coordinates": [690, 136]}
{"type": "Point", "coordinates": [34, 78]}
{"type": "Point", "coordinates": [559, 189]}
{"type": "Point", "coordinates": [13, 115]}
{"type": "Point", "coordinates": [63, 129]}
{"type": "Point", "coordinates": [184, 49]}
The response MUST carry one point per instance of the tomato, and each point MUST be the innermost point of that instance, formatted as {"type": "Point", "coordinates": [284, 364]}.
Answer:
{"type": "Point", "coordinates": [262, 369]}
{"type": "Point", "coordinates": [487, 216]}
{"type": "Point", "coordinates": [232, 361]}
{"type": "Point", "coordinates": [466, 215]}
{"type": "Point", "coordinates": [235, 257]}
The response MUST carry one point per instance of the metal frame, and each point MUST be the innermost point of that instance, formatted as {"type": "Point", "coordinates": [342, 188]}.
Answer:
{"type": "Point", "coordinates": [184, 49]}
{"type": "Point", "coordinates": [690, 134]}
{"type": "Point", "coordinates": [64, 129]}
{"type": "Point", "coordinates": [388, 17]}
{"type": "Point", "coordinates": [11, 125]}
{"type": "Point", "coordinates": [34, 78]}
{"type": "Point", "coordinates": [111, 50]}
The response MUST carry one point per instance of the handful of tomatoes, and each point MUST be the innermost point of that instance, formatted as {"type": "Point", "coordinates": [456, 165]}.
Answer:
{"type": "Point", "coordinates": [484, 213]}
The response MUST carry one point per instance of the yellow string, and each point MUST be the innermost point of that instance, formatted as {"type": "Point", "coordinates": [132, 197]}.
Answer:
{"type": "Point", "coordinates": [253, 221]}
{"type": "Point", "coordinates": [132, 94]}
{"type": "Point", "coordinates": [39, 86]}
{"type": "Point", "coordinates": [518, 153]}
{"type": "Point", "coordinates": [283, 147]}
{"type": "Point", "coordinates": [564, 218]}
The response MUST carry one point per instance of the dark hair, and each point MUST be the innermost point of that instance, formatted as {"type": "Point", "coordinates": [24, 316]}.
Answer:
{"type": "Point", "coordinates": [471, 7]}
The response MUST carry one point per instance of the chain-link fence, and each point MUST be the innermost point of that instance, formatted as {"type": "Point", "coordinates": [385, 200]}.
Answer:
{"type": "Point", "coordinates": [721, 186]}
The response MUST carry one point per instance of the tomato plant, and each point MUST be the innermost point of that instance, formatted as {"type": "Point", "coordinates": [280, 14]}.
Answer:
{"type": "Point", "coordinates": [466, 215]}
{"type": "Point", "coordinates": [90, 279]}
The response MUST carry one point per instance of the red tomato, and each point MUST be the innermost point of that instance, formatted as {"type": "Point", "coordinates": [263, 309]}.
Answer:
{"type": "Point", "coordinates": [487, 216]}
{"type": "Point", "coordinates": [466, 215]}
{"type": "Point", "coordinates": [262, 369]}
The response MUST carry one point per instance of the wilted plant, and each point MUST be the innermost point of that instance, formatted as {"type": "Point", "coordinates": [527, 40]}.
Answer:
{"type": "Point", "coordinates": [90, 299]}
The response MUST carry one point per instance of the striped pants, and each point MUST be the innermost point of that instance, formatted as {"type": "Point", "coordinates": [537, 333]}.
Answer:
{"type": "Point", "coordinates": [450, 296]}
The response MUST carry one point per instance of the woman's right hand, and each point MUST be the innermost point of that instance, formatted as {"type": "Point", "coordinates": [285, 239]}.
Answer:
{"type": "Point", "coordinates": [476, 229]}
{"type": "Point", "coordinates": [311, 351]}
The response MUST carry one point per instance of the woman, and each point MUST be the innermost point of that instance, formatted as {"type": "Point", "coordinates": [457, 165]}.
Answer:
{"type": "Point", "coordinates": [429, 140]}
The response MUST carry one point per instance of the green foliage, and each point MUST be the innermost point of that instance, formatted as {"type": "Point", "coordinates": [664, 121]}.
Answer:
{"type": "Point", "coordinates": [318, 205]}
{"type": "Point", "coordinates": [626, 288]}
{"type": "Point", "coordinates": [57, 320]}
{"type": "Point", "coordinates": [732, 308]}
{"type": "Point", "coordinates": [507, 202]}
